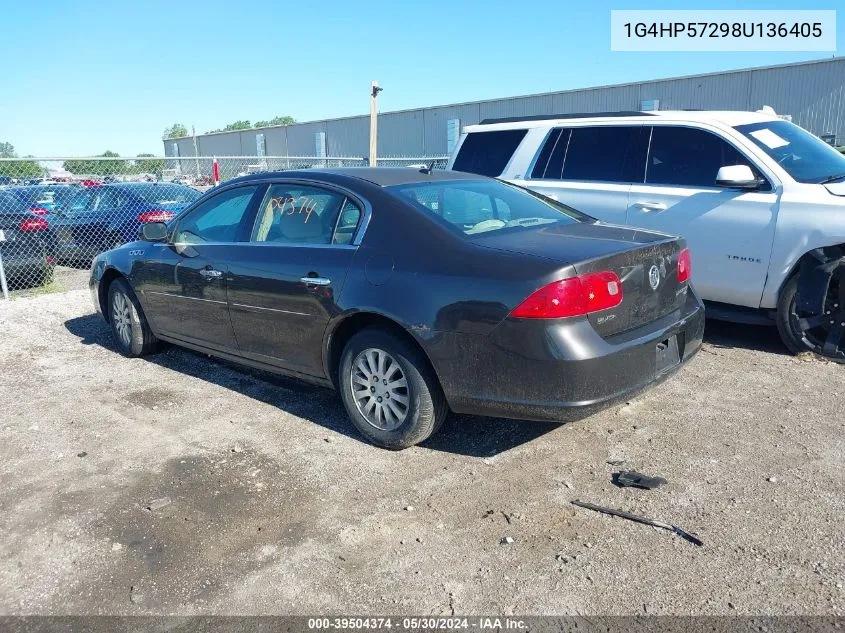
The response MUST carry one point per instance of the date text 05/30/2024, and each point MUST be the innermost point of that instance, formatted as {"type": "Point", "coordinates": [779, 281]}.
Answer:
{"type": "Point", "coordinates": [417, 623]}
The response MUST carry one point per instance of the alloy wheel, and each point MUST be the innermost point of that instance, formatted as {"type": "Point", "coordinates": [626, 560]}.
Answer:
{"type": "Point", "coordinates": [380, 389]}
{"type": "Point", "coordinates": [122, 317]}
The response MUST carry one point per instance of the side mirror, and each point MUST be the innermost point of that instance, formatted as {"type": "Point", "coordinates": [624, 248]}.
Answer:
{"type": "Point", "coordinates": [737, 177]}
{"type": "Point", "coordinates": [154, 232]}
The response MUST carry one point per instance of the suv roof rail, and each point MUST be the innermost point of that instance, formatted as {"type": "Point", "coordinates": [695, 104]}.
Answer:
{"type": "Point", "coordinates": [571, 115]}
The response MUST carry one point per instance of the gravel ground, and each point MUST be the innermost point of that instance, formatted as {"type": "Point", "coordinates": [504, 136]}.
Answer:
{"type": "Point", "coordinates": [177, 484]}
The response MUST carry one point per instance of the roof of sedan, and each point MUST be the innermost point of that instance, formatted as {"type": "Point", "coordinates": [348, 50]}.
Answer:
{"type": "Point", "coordinates": [381, 176]}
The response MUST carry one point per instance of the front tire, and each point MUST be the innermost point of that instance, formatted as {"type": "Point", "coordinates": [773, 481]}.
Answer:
{"type": "Point", "coordinates": [389, 390]}
{"type": "Point", "coordinates": [822, 334]}
{"type": "Point", "coordinates": [129, 325]}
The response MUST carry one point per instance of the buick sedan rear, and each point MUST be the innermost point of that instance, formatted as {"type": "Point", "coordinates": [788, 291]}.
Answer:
{"type": "Point", "coordinates": [412, 293]}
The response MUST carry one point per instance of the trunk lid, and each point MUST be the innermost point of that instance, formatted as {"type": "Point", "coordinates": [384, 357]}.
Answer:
{"type": "Point", "coordinates": [645, 262]}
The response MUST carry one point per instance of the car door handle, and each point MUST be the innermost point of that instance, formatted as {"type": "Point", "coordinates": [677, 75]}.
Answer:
{"type": "Point", "coordinates": [650, 206]}
{"type": "Point", "coordinates": [316, 281]}
{"type": "Point", "coordinates": [210, 273]}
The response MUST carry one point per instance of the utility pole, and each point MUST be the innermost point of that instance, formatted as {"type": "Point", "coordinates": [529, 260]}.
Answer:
{"type": "Point", "coordinates": [374, 90]}
{"type": "Point", "coordinates": [196, 151]}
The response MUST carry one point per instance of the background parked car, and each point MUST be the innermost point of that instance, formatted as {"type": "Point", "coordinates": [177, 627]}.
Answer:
{"type": "Point", "coordinates": [28, 245]}
{"type": "Point", "coordinates": [102, 217]}
{"type": "Point", "coordinates": [45, 199]}
{"type": "Point", "coordinates": [760, 200]}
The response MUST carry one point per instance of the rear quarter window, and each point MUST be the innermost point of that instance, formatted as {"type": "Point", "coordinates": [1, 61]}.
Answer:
{"type": "Point", "coordinates": [488, 153]}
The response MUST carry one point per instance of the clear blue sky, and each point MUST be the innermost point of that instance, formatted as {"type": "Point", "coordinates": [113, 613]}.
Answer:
{"type": "Point", "coordinates": [82, 77]}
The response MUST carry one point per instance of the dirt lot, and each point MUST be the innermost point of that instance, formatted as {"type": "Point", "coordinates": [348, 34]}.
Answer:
{"type": "Point", "coordinates": [277, 506]}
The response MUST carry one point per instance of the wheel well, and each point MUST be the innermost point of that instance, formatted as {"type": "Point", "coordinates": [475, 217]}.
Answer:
{"type": "Point", "coordinates": [834, 251]}
{"type": "Point", "coordinates": [353, 324]}
{"type": "Point", "coordinates": [103, 290]}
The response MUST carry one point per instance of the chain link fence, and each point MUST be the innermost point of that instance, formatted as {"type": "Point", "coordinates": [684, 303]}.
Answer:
{"type": "Point", "coordinates": [57, 214]}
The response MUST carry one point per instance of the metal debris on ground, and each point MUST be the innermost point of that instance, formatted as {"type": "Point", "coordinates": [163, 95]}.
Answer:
{"type": "Point", "coordinates": [158, 504]}
{"type": "Point", "coordinates": [507, 540]}
{"type": "Point", "coordinates": [631, 478]}
{"type": "Point", "coordinates": [640, 519]}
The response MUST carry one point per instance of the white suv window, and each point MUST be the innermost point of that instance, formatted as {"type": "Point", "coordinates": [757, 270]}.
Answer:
{"type": "Point", "coordinates": [488, 153]}
{"type": "Point", "coordinates": [804, 157]}
{"type": "Point", "coordinates": [686, 156]}
{"type": "Point", "coordinates": [602, 154]}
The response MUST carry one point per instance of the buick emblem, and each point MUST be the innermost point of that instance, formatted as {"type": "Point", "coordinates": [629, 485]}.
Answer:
{"type": "Point", "coordinates": [654, 277]}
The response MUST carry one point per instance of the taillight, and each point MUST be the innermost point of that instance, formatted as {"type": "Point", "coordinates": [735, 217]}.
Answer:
{"type": "Point", "coordinates": [33, 224]}
{"type": "Point", "coordinates": [684, 265]}
{"type": "Point", "coordinates": [39, 210]}
{"type": "Point", "coordinates": [572, 297]}
{"type": "Point", "coordinates": [156, 215]}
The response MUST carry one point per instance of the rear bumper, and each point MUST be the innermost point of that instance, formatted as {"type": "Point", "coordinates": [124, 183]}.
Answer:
{"type": "Point", "coordinates": [20, 265]}
{"type": "Point", "coordinates": [561, 370]}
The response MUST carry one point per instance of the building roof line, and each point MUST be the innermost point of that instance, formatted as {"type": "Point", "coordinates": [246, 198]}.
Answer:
{"type": "Point", "coordinates": [533, 95]}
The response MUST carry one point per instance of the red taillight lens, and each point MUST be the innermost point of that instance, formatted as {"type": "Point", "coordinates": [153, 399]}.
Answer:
{"type": "Point", "coordinates": [33, 224]}
{"type": "Point", "coordinates": [156, 215]}
{"type": "Point", "coordinates": [39, 210]}
{"type": "Point", "coordinates": [572, 297]}
{"type": "Point", "coordinates": [684, 265]}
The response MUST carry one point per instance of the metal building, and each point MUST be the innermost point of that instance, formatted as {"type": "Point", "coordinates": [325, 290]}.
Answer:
{"type": "Point", "coordinates": [813, 93]}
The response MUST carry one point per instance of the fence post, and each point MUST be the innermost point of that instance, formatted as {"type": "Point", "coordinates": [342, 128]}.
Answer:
{"type": "Point", "coordinates": [196, 150]}
{"type": "Point", "coordinates": [3, 284]}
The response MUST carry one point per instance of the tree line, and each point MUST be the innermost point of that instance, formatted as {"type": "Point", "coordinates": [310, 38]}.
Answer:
{"type": "Point", "coordinates": [140, 164]}
{"type": "Point", "coordinates": [177, 130]}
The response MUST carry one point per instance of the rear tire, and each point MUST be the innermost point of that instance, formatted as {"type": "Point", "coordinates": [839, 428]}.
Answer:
{"type": "Point", "coordinates": [129, 325]}
{"type": "Point", "coordinates": [389, 391]}
{"type": "Point", "coordinates": [794, 329]}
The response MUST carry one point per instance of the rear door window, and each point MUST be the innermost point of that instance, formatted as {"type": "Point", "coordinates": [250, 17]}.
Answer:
{"type": "Point", "coordinates": [292, 213]}
{"type": "Point", "coordinates": [555, 153]}
{"type": "Point", "coordinates": [690, 157]}
{"type": "Point", "coordinates": [602, 154]}
{"type": "Point", "coordinates": [605, 154]}
{"type": "Point", "coordinates": [488, 153]}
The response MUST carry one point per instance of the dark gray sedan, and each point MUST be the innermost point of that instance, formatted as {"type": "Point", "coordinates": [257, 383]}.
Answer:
{"type": "Point", "coordinates": [413, 292]}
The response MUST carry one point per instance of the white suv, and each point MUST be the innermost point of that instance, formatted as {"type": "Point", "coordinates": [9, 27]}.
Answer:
{"type": "Point", "coordinates": [760, 201]}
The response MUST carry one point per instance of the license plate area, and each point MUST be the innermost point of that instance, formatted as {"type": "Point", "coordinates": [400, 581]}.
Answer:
{"type": "Point", "coordinates": [64, 235]}
{"type": "Point", "coordinates": [667, 354]}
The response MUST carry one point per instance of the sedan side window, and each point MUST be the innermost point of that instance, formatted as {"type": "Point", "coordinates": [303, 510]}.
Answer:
{"type": "Point", "coordinates": [690, 157]}
{"type": "Point", "coordinates": [350, 215]}
{"type": "Point", "coordinates": [216, 220]}
{"type": "Point", "coordinates": [299, 214]}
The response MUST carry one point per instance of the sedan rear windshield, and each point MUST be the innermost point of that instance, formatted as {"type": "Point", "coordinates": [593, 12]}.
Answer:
{"type": "Point", "coordinates": [166, 194]}
{"type": "Point", "coordinates": [60, 195]}
{"type": "Point", "coordinates": [805, 157]}
{"type": "Point", "coordinates": [481, 206]}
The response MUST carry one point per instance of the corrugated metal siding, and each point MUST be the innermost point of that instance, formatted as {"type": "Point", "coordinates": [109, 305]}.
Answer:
{"type": "Point", "coordinates": [347, 137]}
{"type": "Point", "coordinates": [221, 145]}
{"type": "Point", "coordinates": [722, 92]}
{"type": "Point", "coordinates": [813, 93]}
{"type": "Point", "coordinates": [434, 125]}
{"type": "Point", "coordinates": [402, 133]}
{"type": "Point", "coordinates": [301, 140]}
